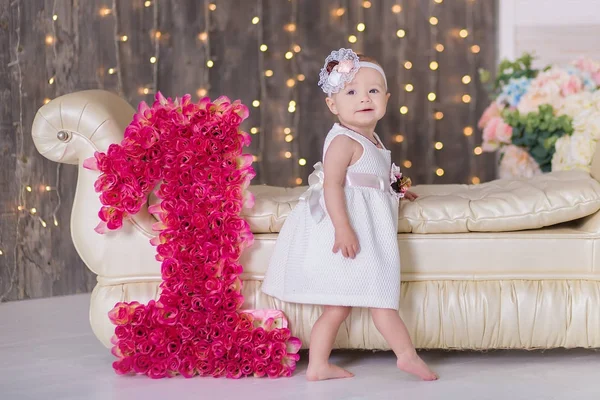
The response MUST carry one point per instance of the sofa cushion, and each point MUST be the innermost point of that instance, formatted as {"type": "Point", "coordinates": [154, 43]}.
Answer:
{"type": "Point", "coordinates": [496, 206]}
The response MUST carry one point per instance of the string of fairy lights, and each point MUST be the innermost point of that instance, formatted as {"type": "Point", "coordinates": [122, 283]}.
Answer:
{"type": "Point", "coordinates": [291, 151]}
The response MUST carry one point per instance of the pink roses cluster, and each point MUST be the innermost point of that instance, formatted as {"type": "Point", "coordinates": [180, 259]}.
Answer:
{"type": "Point", "coordinates": [194, 150]}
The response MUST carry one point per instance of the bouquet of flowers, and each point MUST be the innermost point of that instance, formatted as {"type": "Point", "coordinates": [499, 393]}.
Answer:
{"type": "Point", "coordinates": [542, 120]}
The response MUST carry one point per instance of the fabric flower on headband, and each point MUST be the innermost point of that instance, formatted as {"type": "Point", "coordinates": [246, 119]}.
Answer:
{"type": "Point", "coordinates": [332, 80]}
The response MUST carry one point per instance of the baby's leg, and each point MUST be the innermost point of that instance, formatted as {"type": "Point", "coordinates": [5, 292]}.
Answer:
{"type": "Point", "coordinates": [322, 337]}
{"type": "Point", "coordinates": [391, 326]}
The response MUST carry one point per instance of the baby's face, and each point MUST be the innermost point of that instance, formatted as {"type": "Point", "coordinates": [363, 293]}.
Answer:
{"type": "Point", "coordinates": [363, 101]}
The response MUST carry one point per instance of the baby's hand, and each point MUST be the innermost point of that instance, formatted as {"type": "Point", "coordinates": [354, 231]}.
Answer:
{"type": "Point", "coordinates": [411, 196]}
{"type": "Point", "coordinates": [346, 240]}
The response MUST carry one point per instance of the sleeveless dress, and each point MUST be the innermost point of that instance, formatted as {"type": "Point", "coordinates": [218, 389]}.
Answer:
{"type": "Point", "coordinates": [304, 269]}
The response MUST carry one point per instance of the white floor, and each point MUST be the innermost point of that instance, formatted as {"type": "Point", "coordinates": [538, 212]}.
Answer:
{"type": "Point", "coordinates": [47, 351]}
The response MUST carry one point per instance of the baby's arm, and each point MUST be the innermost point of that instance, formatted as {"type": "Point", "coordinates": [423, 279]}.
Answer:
{"type": "Point", "coordinates": [339, 155]}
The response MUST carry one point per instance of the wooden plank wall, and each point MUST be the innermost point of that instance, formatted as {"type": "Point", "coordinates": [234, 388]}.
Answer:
{"type": "Point", "coordinates": [84, 46]}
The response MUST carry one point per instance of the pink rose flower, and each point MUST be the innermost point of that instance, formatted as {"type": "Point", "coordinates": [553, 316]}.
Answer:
{"type": "Point", "coordinates": [492, 111]}
{"type": "Point", "coordinates": [496, 132]}
{"type": "Point", "coordinates": [123, 366]}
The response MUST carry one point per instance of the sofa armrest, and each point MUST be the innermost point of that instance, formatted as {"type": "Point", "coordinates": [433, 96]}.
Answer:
{"type": "Point", "coordinates": [72, 127]}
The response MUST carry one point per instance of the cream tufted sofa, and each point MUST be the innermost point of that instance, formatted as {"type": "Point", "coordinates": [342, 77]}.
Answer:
{"type": "Point", "coordinates": [506, 264]}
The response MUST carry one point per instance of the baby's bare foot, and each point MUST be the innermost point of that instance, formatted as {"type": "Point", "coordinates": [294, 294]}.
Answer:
{"type": "Point", "coordinates": [326, 371]}
{"type": "Point", "coordinates": [410, 362]}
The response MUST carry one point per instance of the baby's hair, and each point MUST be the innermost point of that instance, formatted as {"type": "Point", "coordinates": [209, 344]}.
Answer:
{"type": "Point", "coordinates": [361, 57]}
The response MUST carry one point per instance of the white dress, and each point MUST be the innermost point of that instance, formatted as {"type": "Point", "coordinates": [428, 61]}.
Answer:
{"type": "Point", "coordinates": [304, 269]}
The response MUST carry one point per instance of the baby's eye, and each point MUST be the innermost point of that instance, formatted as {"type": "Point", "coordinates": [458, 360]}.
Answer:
{"type": "Point", "coordinates": [374, 91]}
{"type": "Point", "coordinates": [351, 92]}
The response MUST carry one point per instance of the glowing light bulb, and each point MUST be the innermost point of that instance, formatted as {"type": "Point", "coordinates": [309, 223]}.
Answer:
{"type": "Point", "coordinates": [290, 27]}
{"type": "Point", "coordinates": [431, 96]}
{"type": "Point", "coordinates": [289, 55]}
{"type": "Point", "coordinates": [255, 20]}
{"type": "Point", "coordinates": [203, 36]}
{"type": "Point", "coordinates": [33, 210]}
{"type": "Point", "coordinates": [433, 65]}
{"type": "Point", "coordinates": [201, 92]}
{"type": "Point", "coordinates": [54, 17]}
{"type": "Point", "coordinates": [475, 180]}
{"type": "Point", "coordinates": [409, 87]}
{"type": "Point", "coordinates": [210, 63]}
{"type": "Point", "coordinates": [49, 40]}
{"type": "Point", "coordinates": [256, 103]}
{"type": "Point", "coordinates": [298, 181]}
{"type": "Point", "coordinates": [400, 33]}
{"type": "Point", "coordinates": [288, 154]}
{"type": "Point", "coordinates": [153, 60]}
{"type": "Point", "coordinates": [439, 145]}
{"type": "Point", "coordinates": [290, 83]}
{"type": "Point", "coordinates": [475, 49]}
{"type": "Point", "coordinates": [403, 110]}
{"type": "Point", "coordinates": [212, 6]}
{"type": "Point", "coordinates": [264, 47]}
{"type": "Point", "coordinates": [297, 49]}
{"type": "Point", "coordinates": [269, 73]}
{"type": "Point", "coordinates": [301, 78]}
{"type": "Point", "coordinates": [477, 150]}
{"type": "Point", "coordinates": [104, 11]}
{"type": "Point", "coordinates": [466, 98]}
{"type": "Point", "coordinates": [302, 161]}
{"type": "Point", "coordinates": [466, 79]}
{"type": "Point", "coordinates": [367, 4]}
{"type": "Point", "coordinates": [254, 130]}
{"type": "Point", "coordinates": [352, 39]}
{"type": "Point", "coordinates": [340, 11]}
{"type": "Point", "coordinates": [396, 8]}
{"type": "Point", "coordinates": [439, 172]}
{"type": "Point", "coordinates": [433, 21]}
{"type": "Point", "coordinates": [399, 138]}
{"type": "Point", "coordinates": [287, 131]}
{"type": "Point", "coordinates": [408, 65]}
{"type": "Point", "coordinates": [438, 115]}
{"type": "Point", "coordinates": [463, 33]}
{"type": "Point", "coordinates": [28, 188]}
{"type": "Point", "coordinates": [407, 164]}
{"type": "Point", "coordinates": [439, 47]}
{"type": "Point", "coordinates": [124, 38]}
{"type": "Point", "coordinates": [289, 138]}
{"type": "Point", "coordinates": [360, 27]}
{"type": "Point", "coordinates": [468, 130]}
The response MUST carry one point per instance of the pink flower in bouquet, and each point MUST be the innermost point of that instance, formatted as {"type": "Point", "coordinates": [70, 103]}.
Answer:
{"type": "Point", "coordinates": [274, 370]}
{"type": "Point", "coordinates": [141, 363]}
{"type": "Point", "coordinates": [492, 111]}
{"type": "Point", "coordinates": [549, 87]}
{"type": "Point", "coordinates": [590, 66]}
{"type": "Point", "coordinates": [495, 133]}
{"type": "Point", "coordinates": [123, 366]}
{"type": "Point", "coordinates": [158, 370]}
{"type": "Point", "coordinates": [260, 368]}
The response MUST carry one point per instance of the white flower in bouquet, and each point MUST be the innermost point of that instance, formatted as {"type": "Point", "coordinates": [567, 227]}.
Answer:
{"type": "Point", "coordinates": [574, 104]}
{"type": "Point", "coordinates": [516, 162]}
{"type": "Point", "coordinates": [574, 152]}
{"type": "Point", "coordinates": [588, 122]}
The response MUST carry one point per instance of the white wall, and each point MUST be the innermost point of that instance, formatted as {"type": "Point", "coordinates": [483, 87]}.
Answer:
{"type": "Point", "coordinates": [557, 31]}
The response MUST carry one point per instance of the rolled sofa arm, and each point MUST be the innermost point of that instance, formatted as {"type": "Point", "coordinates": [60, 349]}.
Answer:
{"type": "Point", "coordinates": [71, 127]}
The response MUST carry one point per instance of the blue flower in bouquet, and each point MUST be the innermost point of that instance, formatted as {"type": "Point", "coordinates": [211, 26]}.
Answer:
{"type": "Point", "coordinates": [513, 91]}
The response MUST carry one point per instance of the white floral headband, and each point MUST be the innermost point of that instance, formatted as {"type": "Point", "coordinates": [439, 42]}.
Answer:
{"type": "Point", "coordinates": [343, 73]}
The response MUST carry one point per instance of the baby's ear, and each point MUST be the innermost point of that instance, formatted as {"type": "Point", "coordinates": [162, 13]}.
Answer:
{"type": "Point", "coordinates": [331, 104]}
